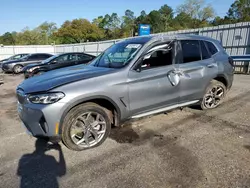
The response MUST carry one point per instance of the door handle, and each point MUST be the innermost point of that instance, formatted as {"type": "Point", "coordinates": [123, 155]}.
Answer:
{"type": "Point", "coordinates": [211, 66]}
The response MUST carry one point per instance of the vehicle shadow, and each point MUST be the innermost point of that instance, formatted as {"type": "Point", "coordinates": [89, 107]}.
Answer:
{"type": "Point", "coordinates": [38, 169]}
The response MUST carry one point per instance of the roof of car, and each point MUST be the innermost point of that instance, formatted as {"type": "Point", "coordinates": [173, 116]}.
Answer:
{"type": "Point", "coordinates": [39, 54]}
{"type": "Point", "coordinates": [169, 37]}
{"type": "Point", "coordinates": [74, 53]}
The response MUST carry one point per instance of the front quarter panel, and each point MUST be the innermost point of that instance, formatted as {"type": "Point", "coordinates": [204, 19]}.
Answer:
{"type": "Point", "coordinates": [112, 87]}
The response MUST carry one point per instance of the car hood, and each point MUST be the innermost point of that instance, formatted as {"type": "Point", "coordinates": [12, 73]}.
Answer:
{"type": "Point", "coordinates": [31, 65]}
{"type": "Point", "coordinates": [3, 60]}
{"type": "Point", "coordinates": [56, 78]}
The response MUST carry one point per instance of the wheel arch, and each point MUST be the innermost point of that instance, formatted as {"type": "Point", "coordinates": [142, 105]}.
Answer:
{"type": "Point", "coordinates": [100, 100]}
{"type": "Point", "coordinates": [221, 78]}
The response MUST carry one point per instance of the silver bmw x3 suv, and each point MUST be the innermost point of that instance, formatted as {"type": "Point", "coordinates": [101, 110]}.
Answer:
{"type": "Point", "coordinates": [134, 78]}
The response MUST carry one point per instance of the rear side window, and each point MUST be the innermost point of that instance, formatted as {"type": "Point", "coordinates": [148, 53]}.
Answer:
{"type": "Point", "coordinates": [190, 51]}
{"type": "Point", "coordinates": [34, 57]}
{"type": "Point", "coordinates": [204, 52]}
{"type": "Point", "coordinates": [82, 57]}
{"type": "Point", "coordinates": [213, 50]}
{"type": "Point", "coordinates": [44, 56]}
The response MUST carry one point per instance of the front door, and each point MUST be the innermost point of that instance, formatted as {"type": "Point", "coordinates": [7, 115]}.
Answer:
{"type": "Point", "coordinates": [153, 87]}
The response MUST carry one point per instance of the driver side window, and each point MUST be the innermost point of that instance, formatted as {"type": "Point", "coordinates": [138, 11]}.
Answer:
{"type": "Point", "coordinates": [161, 56]}
{"type": "Point", "coordinates": [62, 59]}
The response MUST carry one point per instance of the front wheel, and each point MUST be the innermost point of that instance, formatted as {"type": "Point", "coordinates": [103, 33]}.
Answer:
{"type": "Point", "coordinates": [86, 126]}
{"type": "Point", "coordinates": [215, 93]}
{"type": "Point", "coordinates": [17, 69]}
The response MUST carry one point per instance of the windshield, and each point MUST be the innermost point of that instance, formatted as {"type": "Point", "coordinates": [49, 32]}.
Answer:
{"type": "Point", "coordinates": [49, 59]}
{"type": "Point", "coordinates": [14, 57]}
{"type": "Point", "coordinates": [118, 55]}
{"type": "Point", "coordinates": [25, 57]}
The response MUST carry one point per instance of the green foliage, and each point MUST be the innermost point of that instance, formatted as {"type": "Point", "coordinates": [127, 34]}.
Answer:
{"type": "Point", "coordinates": [239, 10]}
{"type": "Point", "coordinates": [199, 12]}
{"type": "Point", "coordinates": [7, 39]}
{"type": "Point", "coordinates": [190, 14]}
{"type": "Point", "coordinates": [79, 30]}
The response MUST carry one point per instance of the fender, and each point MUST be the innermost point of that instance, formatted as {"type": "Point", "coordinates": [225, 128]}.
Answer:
{"type": "Point", "coordinates": [85, 100]}
{"type": "Point", "coordinates": [218, 76]}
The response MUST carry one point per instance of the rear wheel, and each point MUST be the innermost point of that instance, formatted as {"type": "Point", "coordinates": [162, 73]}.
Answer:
{"type": "Point", "coordinates": [86, 126]}
{"type": "Point", "coordinates": [17, 69]}
{"type": "Point", "coordinates": [215, 93]}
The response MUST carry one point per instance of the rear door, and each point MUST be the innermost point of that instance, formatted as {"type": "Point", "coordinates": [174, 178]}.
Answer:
{"type": "Point", "coordinates": [32, 59]}
{"type": "Point", "coordinates": [197, 68]}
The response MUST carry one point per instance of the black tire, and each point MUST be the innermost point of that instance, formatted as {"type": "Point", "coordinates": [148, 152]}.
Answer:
{"type": "Point", "coordinates": [72, 116]}
{"type": "Point", "coordinates": [213, 84]}
{"type": "Point", "coordinates": [17, 69]}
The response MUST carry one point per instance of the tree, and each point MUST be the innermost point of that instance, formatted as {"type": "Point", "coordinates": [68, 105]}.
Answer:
{"type": "Point", "coordinates": [7, 39]}
{"type": "Point", "coordinates": [182, 21]}
{"type": "Point", "coordinates": [47, 30]}
{"type": "Point", "coordinates": [198, 10]}
{"type": "Point", "coordinates": [29, 37]}
{"type": "Point", "coordinates": [79, 30]}
{"type": "Point", "coordinates": [111, 24]}
{"type": "Point", "coordinates": [154, 18]}
{"type": "Point", "coordinates": [128, 25]}
{"type": "Point", "coordinates": [167, 15]}
{"type": "Point", "coordinates": [239, 11]}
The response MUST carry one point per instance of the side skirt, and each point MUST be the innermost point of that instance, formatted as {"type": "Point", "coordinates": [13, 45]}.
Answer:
{"type": "Point", "coordinates": [164, 109]}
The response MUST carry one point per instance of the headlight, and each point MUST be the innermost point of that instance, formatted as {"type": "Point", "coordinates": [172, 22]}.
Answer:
{"type": "Point", "coordinates": [32, 69]}
{"type": "Point", "coordinates": [48, 98]}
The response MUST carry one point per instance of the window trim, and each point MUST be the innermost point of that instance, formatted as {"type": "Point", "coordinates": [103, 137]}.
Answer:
{"type": "Point", "coordinates": [139, 60]}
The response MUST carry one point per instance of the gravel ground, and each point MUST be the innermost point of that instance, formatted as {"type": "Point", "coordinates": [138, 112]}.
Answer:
{"type": "Point", "coordinates": [188, 148]}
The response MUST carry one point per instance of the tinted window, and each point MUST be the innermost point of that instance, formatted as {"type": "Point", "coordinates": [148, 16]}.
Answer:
{"type": "Point", "coordinates": [43, 56]}
{"type": "Point", "coordinates": [83, 57]}
{"type": "Point", "coordinates": [213, 50]}
{"type": "Point", "coordinates": [66, 58]}
{"type": "Point", "coordinates": [204, 52]}
{"type": "Point", "coordinates": [190, 51]}
{"type": "Point", "coordinates": [159, 58]}
{"type": "Point", "coordinates": [34, 57]}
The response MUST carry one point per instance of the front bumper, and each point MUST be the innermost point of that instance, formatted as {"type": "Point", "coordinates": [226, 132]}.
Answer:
{"type": "Point", "coordinates": [41, 120]}
{"type": "Point", "coordinates": [27, 74]}
{"type": "Point", "coordinates": [7, 68]}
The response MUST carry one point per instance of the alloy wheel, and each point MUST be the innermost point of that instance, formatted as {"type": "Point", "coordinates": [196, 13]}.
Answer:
{"type": "Point", "coordinates": [214, 96]}
{"type": "Point", "coordinates": [88, 129]}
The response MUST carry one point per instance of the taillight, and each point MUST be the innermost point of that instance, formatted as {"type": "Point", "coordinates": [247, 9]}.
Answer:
{"type": "Point", "coordinates": [231, 61]}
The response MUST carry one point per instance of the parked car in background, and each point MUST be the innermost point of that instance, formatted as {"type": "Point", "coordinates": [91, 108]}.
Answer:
{"type": "Point", "coordinates": [14, 57]}
{"type": "Point", "coordinates": [133, 78]}
{"type": "Point", "coordinates": [56, 62]}
{"type": "Point", "coordinates": [16, 66]}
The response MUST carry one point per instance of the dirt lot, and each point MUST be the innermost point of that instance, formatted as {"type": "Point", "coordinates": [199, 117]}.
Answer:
{"type": "Point", "coordinates": [188, 148]}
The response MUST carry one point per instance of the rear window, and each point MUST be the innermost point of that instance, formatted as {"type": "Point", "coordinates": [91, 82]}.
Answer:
{"type": "Point", "coordinates": [204, 52]}
{"type": "Point", "coordinates": [211, 47]}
